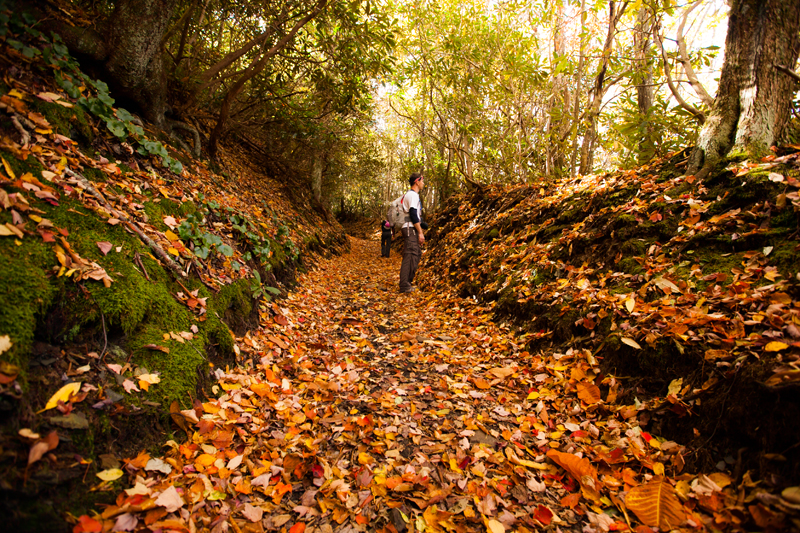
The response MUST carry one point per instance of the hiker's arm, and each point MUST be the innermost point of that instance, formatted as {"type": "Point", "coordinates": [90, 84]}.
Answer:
{"type": "Point", "coordinates": [412, 213]}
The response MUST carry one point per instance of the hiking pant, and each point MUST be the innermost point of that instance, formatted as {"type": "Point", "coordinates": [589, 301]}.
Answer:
{"type": "Point", "coordinates": [411, 255]}
{"type": "Point", "coordinates": [386, 244]}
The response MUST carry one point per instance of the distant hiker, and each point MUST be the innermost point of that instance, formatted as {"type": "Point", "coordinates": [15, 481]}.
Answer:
{"type": "Point", "coordinates": [386, 238]}
{"type": "Point", "coordinates": [412, 232]}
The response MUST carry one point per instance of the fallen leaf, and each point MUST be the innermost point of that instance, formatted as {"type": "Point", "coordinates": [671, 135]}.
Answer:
{"type": "Point", "coordinates": [656, 504]}
{"type": "Point", "coordinates": [630, 342]}
{"type": "Point", "coordinates": [104, 246]}
{"type": "Point", "coordinates": [110, 474]}
{"type": "Point", "coordinates": [170, 500]}
{"type": "Point", "coordinates": [62, 395]}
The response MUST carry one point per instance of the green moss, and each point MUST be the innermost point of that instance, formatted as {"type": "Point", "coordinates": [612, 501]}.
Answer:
{"type": "Point", "coordinates": [93, 174]}
{"type": "Point", "coordinates": [67, 121]}
{"type": "Point", "coordinates": [26, 290]}
{"type": "Point", "coordinates": [630, 265]}
{"type": "Point", "coordinates": [20, 167]}
{"type": "Point", "coordinates": [158, 208]}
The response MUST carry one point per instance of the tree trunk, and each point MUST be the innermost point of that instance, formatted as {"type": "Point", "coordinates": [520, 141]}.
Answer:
{"type": "Point", "coordinates": [135, 62]}
{"type": "Point", "coordinates": [558, 124]}
{"type": "Point", "coordinates": [127, 48]}
{"type": "Point", "coordinates": [599, 90]}
{"type": "Point", "coordinates": [576, 103]}
{"type": "Point", "coordinates": [753, 99]}
{"type": "Point", "coordinates": [643, 78]}
{"type": "Point", "coordinates": [316, 175]}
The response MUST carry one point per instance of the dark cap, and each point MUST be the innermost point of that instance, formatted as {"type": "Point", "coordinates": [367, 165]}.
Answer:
{"type": "Point", "coordinates": [415, 177]}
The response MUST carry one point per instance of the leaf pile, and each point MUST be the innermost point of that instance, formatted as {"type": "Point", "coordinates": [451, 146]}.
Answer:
{"type": "Point", "coordinates": [662, 276]}
{"type": "Point", "coordinates": [357, 409]}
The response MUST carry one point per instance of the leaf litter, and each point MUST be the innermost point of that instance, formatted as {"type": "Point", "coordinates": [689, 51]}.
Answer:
{"type": "Point", "coordinates": [358, 409]}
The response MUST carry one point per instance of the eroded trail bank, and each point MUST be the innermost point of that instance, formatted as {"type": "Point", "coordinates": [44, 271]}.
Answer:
{"type": "Point", "coordinates": [357, 408]}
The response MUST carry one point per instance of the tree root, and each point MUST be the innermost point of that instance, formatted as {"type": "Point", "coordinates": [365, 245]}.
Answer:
{"type": "Point", "coordinates": [176, 124]}
{"type": "Point", "coordinates": [118, 214]}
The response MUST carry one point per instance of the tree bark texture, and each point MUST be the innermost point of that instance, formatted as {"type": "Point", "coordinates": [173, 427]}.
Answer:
{"type": "Point", "coordinates": [559, 124]}
{"type": "Point", "coordinates": [753, 99]}
{"type": "Point", "coordinates": [135, 61]}
{"type": "Point", "coordinates": [127, 48]}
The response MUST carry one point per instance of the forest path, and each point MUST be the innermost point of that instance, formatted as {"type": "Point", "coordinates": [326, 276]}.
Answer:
{"type": "Point", "coordinates": [358, 408]}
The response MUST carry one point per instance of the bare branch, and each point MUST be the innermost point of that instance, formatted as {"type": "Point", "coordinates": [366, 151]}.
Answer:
{"type": "Point", "coordinates": [790, 72]}
{"type": "Point", "coordinates": [699, 115]}
{"type": "Point", "coordinates": [684, 58]}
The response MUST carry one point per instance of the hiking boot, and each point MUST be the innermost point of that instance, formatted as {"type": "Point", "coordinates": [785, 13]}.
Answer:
{"type": "Point", "coordinates": [412, 289]}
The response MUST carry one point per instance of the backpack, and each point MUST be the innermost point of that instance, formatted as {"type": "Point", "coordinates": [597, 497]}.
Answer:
{"type": "Point", "coordinates": [396, 215]}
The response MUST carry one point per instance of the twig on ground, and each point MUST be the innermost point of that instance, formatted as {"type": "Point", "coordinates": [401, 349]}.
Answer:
{"type": "Point", "coordinates": [124, 218]}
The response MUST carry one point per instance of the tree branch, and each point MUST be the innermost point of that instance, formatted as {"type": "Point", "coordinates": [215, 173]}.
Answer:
{"type": "Point", "coordinates": [686, 62]}
{"type": "Point", "coordinates": [699, 115]}
{"type": "Point", "coordinates": [790, 72]}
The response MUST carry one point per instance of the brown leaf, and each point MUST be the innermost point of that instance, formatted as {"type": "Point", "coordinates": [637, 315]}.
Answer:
{"type": "Point", "coordinates": [104, 246]}
{"type": "Point", "coordinates": [156, 347]}
{"type": "Point", "coordinates": [656, 504]}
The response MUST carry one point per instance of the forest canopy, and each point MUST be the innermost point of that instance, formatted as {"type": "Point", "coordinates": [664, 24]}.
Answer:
{"type": "Point", "coordinates": [353, 96]}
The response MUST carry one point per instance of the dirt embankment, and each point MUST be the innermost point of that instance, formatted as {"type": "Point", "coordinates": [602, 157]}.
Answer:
{"type": "Point", "coordinates": [687, 290]}
{"type": "Point", "coordinates": [128, 270]}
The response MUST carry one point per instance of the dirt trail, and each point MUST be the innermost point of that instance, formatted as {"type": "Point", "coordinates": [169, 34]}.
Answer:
{"type": "Point", "coordinates": [361, 409]}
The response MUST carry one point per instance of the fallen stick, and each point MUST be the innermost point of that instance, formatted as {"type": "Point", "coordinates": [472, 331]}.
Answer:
{"type": "Point", "coordinates": [124, 218]}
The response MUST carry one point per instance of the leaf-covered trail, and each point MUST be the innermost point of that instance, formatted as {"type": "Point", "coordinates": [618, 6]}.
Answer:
{"type": "Point", "coordinates": [358, 408]}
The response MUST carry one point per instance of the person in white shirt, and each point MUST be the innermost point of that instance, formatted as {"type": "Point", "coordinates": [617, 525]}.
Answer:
{"type": "Point", "coordinates": [412, 232]}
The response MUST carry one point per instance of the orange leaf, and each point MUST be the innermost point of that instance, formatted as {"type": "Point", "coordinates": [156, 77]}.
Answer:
{"type": "Point", "coordinates": [361, 519]}
{"type": "Point", "coordinates": [656, 504]}
{"type": "Point", "coordinates": [543, 515]}
{"type": "Point", "coordinates": [86, 524]}
{"type": "Point", "coordinates": [579, 468]}
{"type": "Point", "coordinates": [298, 528]}
{"type": "Point", "coordinates": [571, 500]}
{"type": "Point", "coordinates": [481, 383]}
{"type": "Point", "coordinates": [589, 392]}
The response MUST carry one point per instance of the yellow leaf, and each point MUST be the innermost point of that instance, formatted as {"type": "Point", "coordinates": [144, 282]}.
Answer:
{"type": "Point", "coordinates": [630, 303]}
{"type": "Point", "coordinates": [365, 458]}
{"type": "Point", "coordinates": [656, 504]}
{"type": "Point", "coordinates": [658, 469]}
{"type": "Point", "coordinates": [111, 474]}
{"type": "Point", "coordinates": [171, 236]}
{"type": "Point", "coordinates": [630, 342]}
{"type": "Point", "coordinates": [164, 192]}
{"type": "Point", "coordinates": [63, 394]}
{"type": "Point", "coordinates": [35, 218]}
{"type": "Point", "coordinates": [494, 526]}
{"type": "Point", "coordinates": [776, 346]}
{"type": "Point", "coordinates": [173, 251]}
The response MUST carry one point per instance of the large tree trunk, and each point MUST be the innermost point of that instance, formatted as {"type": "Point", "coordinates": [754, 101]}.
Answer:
{"type": "Point", "coordinates": [752, 104]}
{"type": "Point", "coordinates": [135, 62]}
{"type": "Point", "coordinates": [127, 47]}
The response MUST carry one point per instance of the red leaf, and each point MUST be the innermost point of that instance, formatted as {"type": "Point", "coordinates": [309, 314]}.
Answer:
{"type": "Point", "coordinates": [87, 524]}
{"type": "Point", "coordinates": [47, 236]}
{"type": "Point", "coordinates": [543, 515]}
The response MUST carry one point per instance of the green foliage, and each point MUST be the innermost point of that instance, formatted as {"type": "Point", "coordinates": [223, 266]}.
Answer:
{"type": "Point", "coordinates": [259, 290]}
{"type": "Point", "coordinates": [92, 95]}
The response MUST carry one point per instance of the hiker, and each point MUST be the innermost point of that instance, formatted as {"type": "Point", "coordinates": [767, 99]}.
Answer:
{"type": "Point", "coordinates": [412, 232]}
{"type": "Point", "coordinates": [386, 238]}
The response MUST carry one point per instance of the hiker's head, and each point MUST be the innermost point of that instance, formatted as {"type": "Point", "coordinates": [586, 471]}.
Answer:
{"type": "Point", "coordinates": [416, 179]}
